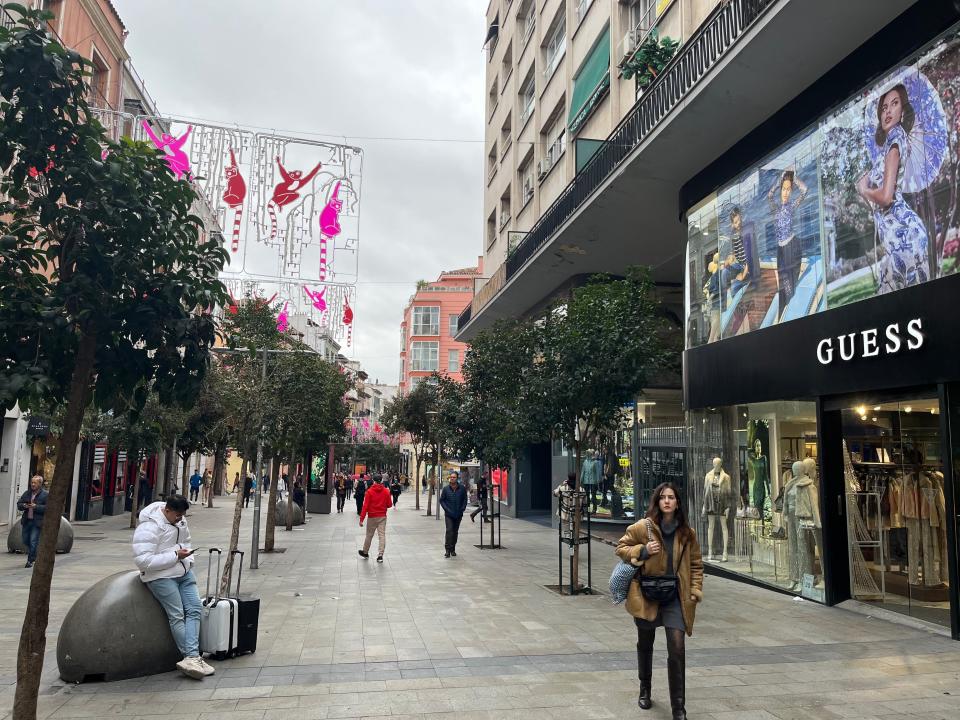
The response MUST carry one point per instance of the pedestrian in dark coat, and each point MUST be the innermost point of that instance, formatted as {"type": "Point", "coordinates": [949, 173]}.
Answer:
{"type": "Point", "coordinates": [33, 505]}
{"type": "Point", "coordinates": [453, 500]}
{"type": "Point", "coordinates": [358, 492]}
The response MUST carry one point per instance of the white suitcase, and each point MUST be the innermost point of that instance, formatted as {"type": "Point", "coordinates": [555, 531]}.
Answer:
{"type": "Point", "coordinates": [219, 618]}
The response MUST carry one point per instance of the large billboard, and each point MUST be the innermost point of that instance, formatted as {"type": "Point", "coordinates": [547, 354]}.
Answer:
{"type": "Point", "coordinates": [866, 201]}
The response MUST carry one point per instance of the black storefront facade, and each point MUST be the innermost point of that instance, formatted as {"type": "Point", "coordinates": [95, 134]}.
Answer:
{"type": "Point", "coordinates": [821, 373]}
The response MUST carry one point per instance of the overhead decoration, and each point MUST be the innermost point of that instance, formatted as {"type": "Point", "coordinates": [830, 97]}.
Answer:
{"type": "Point", "coordinates": [282, 319]}
{"type": "Point", "coordinates": [234, 196]}
{"type": "Point", "coordinates": [348, 320]}
{"type": "Point", "coordinates": [172, 149]}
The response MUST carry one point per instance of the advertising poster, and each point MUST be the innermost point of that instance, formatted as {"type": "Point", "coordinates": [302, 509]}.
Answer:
{"type": "Point", "coordinates": [888, 168]}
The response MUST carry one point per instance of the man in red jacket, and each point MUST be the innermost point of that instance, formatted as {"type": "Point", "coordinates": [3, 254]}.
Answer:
{"type": "Point", "coordinates": [376, 502]}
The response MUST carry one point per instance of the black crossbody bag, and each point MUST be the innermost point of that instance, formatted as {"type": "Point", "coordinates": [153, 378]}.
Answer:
{"type": "Point", "coordinates": [659, 588]}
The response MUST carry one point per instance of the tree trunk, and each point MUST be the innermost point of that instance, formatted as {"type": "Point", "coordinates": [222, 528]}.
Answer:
{"type": "Point", "coordinates": [219, 467]}
{"type": "Point", "coordinates": [293, 485]}
{"type": "Point", "coordinates": [185, 475]}
{"type": "Point", "coordinates": [234, 532]}
{"type": "Point", "coordinates": [416, 477]}
{"type": "Point", "coordinates": [33, 638]}
{"type": "Point", "coordinates": [268, 537]}
{"type": "Point", "coordinates": [136, 488]}
{"type": "Point", "coordinates": [575, 569]}
{"type": "Point", "coordinates": [169, 469]}
{"type": "Point", "coordinates": [209, 490]}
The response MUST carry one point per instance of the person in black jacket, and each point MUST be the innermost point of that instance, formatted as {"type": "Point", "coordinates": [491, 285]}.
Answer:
{"type": "Point", "coordinates": [453, 500]}
{"type": "Point", "coordinates": [33, 505]}
{"type": "Point", "coordinates": [358, 492]}
{"type": "Point", "coordinates": [247, 489]}
{"type": "Point", "coordinates": [395, 489]}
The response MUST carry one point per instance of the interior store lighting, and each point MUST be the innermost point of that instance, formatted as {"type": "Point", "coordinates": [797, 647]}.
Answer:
{"type": "Point", "coordinates": [907, 409]}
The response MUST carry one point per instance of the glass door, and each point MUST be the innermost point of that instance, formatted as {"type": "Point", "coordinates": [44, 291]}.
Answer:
{"type": "Point", "coordinates": [896, 509]}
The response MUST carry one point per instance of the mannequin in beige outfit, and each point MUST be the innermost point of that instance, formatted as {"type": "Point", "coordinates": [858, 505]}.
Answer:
{"type": "Point", "coordinates": [717, 497]}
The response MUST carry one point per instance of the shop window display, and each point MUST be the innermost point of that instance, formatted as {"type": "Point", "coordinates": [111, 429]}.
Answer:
{"type": "Point", "coordinates": [896, 509]}
{"type": "Point", "coordinates": [754, 492]}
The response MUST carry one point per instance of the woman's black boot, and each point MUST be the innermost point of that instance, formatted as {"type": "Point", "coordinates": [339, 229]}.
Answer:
{"type": "Point", "coordinates": [676, 671]}
{"type": "Point", "coordinates": [645, 674]}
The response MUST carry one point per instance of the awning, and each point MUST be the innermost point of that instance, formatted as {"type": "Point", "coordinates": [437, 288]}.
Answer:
{"type": "Point", "coordinates": [591, 83]}
{"type": "Point", "coordinates": [492, 31]}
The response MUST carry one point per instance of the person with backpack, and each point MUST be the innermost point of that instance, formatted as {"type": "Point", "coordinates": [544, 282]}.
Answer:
{"type": "Point", "coordinates": [663, 546]}
{"type": "Point", "coordinates": [359, 491]}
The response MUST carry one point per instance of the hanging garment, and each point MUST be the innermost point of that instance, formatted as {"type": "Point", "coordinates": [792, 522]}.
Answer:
{"type": "Point", "coordinates": [758, 473]}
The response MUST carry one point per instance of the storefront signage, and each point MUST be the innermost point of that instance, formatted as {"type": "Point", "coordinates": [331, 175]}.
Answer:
{"type": "Point", "coordinates": [871, 343]}
{"type": "Point", "coordinates": [38, 427]}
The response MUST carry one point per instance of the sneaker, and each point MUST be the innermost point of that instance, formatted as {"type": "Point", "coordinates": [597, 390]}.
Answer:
{"type": "Point", "coordinates": [190, 666]}
{"type": "Point", "coordinates": [363, 554]}
{"type": "Point", "coordinates": [453, 552]}
{"type": "Point", "coordinates": [208, 669]}
{"type": "Point", "coordinates": [446, 554]}
{"type": "Point", "coordinates": [379, 558]}
{"type": "Point", "coordinates": [29, 564]}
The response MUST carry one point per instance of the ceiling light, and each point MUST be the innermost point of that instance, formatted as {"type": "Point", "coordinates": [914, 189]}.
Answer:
{"type": "Point", "coordinates": [863, 417]}
{"type": "Point", "coordinates": [861, 410]}
{"type": "Point", "coordinates": [907, 409]}
{"type": "Point", "coordinates": [873, 419]}
{"type": "Point", "coordinates": [876, 407]}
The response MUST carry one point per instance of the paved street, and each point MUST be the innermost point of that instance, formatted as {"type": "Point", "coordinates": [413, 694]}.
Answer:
{"type": "Point", "coordinates": [479, 636]}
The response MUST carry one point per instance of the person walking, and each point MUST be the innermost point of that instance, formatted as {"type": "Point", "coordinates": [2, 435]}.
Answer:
{"type": "Point", "coordinates": [481, 500]}
{"type": "Point", "coordinates": [162, 553]}
{"type": "Point", "coordinates": [33, 505]}
{"type": "Point", "coordinates": [208, 487]}
{"type": "Point", "coordinates": [395, 490]}
{"type": "Point", "coordinates": [349, 481]}
{"type": "Point", "coordinates": [299, 496]}
{"type": "Point", "coordinates": [376, 502]}
{"type": "Point", "coordinates": [663, 544]}
{"type": "Point", "coordinates": [247, 490]}
{"type": "Point", "coordinates": [195, 481]}
{"type": "Point", "coordinates": [359, 491]}
{"type": "Point", "coordinates": [236, 483]}
{"type": "Point", "coordinates": [341, 490]}
{"type": "Point", "coordinates": [453, 500]}
{"type": "Point", "coordinates": [145, 495]}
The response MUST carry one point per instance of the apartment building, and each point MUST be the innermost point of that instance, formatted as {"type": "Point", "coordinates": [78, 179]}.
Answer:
{"type": "Point", "coordinates": [428, 330]}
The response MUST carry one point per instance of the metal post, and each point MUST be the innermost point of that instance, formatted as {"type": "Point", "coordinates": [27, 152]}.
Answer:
{"type": "Point", "coordinates": [255, 550]}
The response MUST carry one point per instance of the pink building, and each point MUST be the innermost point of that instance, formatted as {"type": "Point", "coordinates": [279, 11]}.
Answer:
{"type": "Point", "coordinates": [429, 325]}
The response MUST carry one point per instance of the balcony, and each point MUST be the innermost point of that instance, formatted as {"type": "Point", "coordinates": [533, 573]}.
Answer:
{"type": "Point", "coordinates": [622, 208]}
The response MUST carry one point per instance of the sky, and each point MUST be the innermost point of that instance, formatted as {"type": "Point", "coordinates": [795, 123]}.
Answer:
{"type": "Point", "coordinates": [360, 69]}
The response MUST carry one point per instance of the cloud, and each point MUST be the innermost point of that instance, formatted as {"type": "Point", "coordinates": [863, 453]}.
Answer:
{"type": "Point", "coordinates": [373, 68]}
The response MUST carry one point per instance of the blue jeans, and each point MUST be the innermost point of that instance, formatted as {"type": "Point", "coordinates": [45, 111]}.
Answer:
{"type": "Point", "coordinates": [30, 533]}
{"type": "Point", "coordinates": [181, 603]}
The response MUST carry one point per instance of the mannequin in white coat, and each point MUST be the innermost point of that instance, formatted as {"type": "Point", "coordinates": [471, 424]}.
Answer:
{"type": "Point", "coordinates": [717, 494]}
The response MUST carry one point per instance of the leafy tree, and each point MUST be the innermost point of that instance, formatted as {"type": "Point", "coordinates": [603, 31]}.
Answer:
{"type": "Point", "coordinates": [597, 351]}
{"type": "Point", "coordinates": [104, 276]}
{"type": "Point", "coordinates": [408, 414]}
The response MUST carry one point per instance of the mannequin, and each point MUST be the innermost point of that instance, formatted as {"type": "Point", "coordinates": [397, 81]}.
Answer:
{"type": "Point", "coordinates": [590, 477]}
{"type": "Point", "coordinates": [758, 472]}
{"type": "Point", "coordinates": [801, 514]}
{"type": "Point", "coordinates": [810, 465]}
{"type": "Point", "coordinates": [717, 496]}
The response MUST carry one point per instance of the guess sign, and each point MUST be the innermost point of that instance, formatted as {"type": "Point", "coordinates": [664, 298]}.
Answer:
{"type": "Point", "coordinates": [872, 342]}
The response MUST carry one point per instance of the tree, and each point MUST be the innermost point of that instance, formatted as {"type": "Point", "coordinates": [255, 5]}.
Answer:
{"type": "Point", "coordinates": [104, 276]}
{"type": "Point", "coordinates": [597, 350]}
{"type": "Point", "coordinates": [408, 414]}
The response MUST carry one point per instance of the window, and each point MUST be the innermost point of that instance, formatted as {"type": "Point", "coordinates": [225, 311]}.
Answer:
{"type": "Point", "coordinates": [527, 95]}
{"type": "Point", "coordinates": [424, 356]}
{"type": "Point", "coordinates": [555, 47]}
{"type": "Point", "coordinates": [491, 230]}
{"type": "Point", "coordinates": [525, 176]}
{"type": "Point", "coordinates": [591, 83]}
{"type": "Point", "coordinates": [505, 208]}
{"type": "Point", "coordinates": [99, 82]}
{"type": "Point", "coordinates": [582, 7]}
{"type": "Point", "coordinates": [506, 67]}
{"type": "Point", "coordinates": [453, 361]}
{"type": "Point", "coordinates": [492, 162]}
{"type": "Point", "coordinates": [643, 14]}
{"type": "Point", "coordinates": [454, 325]}
{"type": "Point", "coordinates": [426, 320]}
{"type": "Point", "coordinates": [527, 21]}
{"type": "Point", "coordinates": [506, 135]}
{"type": "Point", "coordinates": [493, 97]}
{"type": "Point", "coordinates": [555, 138]}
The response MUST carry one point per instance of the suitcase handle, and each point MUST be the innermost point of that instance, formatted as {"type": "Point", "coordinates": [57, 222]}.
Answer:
{"type": "Point", "coordinates": [239, 568]}
{"type": "Point", "coordinates": [219, 553]}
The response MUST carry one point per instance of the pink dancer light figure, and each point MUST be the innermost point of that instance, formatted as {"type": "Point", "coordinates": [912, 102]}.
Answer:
{"type": "Point", "coordinates": [286, 192]}
{"type": "Point", "coordinates": [282, 319]}
{"type": "Point", "coordinates": [172, 149]}
{"type": "Point", "coordinates": [329, 226]}
{"type": "Point", "coordinates": [317, 298]}
{"type": "Point", "coordinates": [234, 196]}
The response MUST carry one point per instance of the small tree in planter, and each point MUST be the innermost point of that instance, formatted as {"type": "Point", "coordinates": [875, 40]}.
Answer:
{"type": "Point", "coordinates": [649, 60]}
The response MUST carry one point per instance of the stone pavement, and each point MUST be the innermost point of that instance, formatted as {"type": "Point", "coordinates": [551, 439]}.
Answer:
{"type": "Point", "coordinates": [479, 636]}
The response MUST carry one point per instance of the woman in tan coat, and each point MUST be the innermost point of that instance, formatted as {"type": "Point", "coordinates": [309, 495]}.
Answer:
{"type": "Point", "coordinates": [663, 544]}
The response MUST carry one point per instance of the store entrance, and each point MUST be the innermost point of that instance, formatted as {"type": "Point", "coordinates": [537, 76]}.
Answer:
{"type": "Point", "coordinates": [896, 509]}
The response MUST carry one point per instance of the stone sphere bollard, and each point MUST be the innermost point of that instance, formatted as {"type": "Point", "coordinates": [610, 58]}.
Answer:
{"type": "Point", "coordinates": [114, 631]}
{"type": "Point", "coordinates": [64, 538]}
{"type": "Point", "coordinates": [280, 514]}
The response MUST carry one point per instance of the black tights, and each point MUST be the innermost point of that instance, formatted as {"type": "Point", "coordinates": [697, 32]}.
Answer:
{"type": "Point", "coordinates": [676, 646]}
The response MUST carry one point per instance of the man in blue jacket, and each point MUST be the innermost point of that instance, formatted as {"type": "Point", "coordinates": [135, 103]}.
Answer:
{"type": "Point", "coordinates": [453, 500]}
{"type": "Point", "coordinates": [33, 505]}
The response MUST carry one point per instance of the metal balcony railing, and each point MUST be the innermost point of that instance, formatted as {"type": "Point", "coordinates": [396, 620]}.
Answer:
{"type": "Point", "coordinates": [696, 58]}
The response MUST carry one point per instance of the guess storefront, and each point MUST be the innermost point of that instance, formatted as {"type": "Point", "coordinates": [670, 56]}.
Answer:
{"type": "Point", "coordinates": [821, 375]}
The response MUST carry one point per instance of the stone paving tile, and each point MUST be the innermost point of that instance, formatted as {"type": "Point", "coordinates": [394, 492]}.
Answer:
{"type": "Point", "coordinates": [479, 637]}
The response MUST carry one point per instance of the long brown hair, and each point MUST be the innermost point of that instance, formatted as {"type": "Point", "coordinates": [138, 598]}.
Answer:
{"type": "Point", "coordinates": [906, 119]}
{"type": "Point", "coordinates": [653, 511]}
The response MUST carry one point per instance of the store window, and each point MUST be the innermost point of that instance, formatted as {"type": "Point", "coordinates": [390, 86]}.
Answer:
{"type": "Point", "coordinates": [754, 492]}
{"type": "Point", "coordinates": [896, 508]}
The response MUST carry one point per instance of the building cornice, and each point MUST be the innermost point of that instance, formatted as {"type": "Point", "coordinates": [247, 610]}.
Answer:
{"type": "Point", "coordinates": [101, 23]}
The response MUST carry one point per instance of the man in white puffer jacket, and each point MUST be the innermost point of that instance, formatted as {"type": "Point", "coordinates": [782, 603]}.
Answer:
{"type": "Point", "coordinates": [161, 550]}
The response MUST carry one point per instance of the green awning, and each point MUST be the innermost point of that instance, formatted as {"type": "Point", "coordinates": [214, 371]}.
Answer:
{"type": "Point", "coordinates": [591, 82]}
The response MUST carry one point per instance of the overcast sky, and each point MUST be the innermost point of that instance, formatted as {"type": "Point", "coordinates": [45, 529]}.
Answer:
{"type": "Point", "coordinates": [355, 68]}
